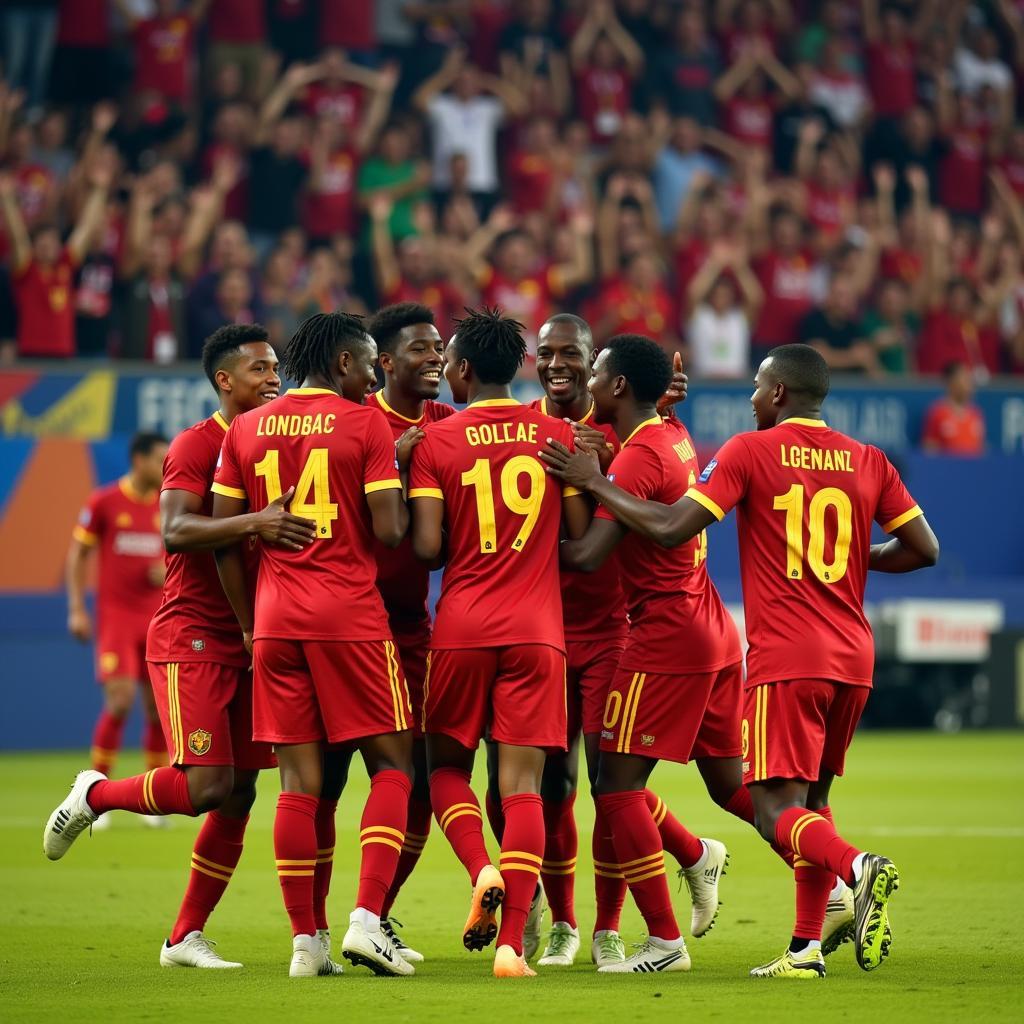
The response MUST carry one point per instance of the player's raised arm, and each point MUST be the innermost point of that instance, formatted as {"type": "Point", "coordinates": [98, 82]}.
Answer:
{"type": "Point", "coordinates": [913, 546]}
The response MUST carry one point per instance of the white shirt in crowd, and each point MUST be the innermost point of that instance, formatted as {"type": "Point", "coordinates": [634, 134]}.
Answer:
{"type": "Point", "coordinates": [469, 127]}
{"type": "Point", "coordinates": [719, 343]}
{"type": "Point", "coordinates": [973, 73]}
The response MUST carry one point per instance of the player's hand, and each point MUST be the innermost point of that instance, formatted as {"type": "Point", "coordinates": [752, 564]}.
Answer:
{"type": "Point", "coordinates": [578, 469]}
{"type": "Point", "coordinates": [247, 640]}
{"type": "Point", "coordinates": [404, 446]}
{"type": "Point", "coordinates": [589, 439]}
{"type": "Point", "coordinates": [279, 527]}
{"type": "Point", "coordinates": [80, 624]}
{"type": "Point", "coordinates": [676, 391]}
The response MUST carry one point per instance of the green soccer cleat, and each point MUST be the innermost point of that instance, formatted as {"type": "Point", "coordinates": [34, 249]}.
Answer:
{"type": "Point", "coordinates": [872, 937]}
{"type": "Point", "coordinates": [607, 948]}
{"type": "Point", "coordinates": [799, 966]}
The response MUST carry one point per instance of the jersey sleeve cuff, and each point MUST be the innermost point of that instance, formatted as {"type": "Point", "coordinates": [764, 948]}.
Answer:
{"type": "Point", "coordinates": [228, 492]}
{"type": "Point", "coordinates": [381, 485]}
{"type": "Point", "coordinates": [895, 524]}
{"type": "Point", "coordinates": [570, 492]}
{"type": "Point", "coordinates": [83, 536]}
{"type": "Point", "coordinates": [426, 492]}
{"type": "Point", "coordinates": [703, 499]}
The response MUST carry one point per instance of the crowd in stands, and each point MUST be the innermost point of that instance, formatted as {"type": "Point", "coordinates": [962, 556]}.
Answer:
{"type": "Point", "coordinates": [722, 175]}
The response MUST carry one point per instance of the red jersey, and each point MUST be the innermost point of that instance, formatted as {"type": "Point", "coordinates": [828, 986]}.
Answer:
{"type": "Point", "coordinates": [44, 297]}
{"type": "Point", "coordinates": [750, 121]}
{"type": "Point", "coordinates": [962, 171]}
{"type": "Point", "coordinates": [787, 282]}
{"type": "Point", "coordinates": [603, 97]}
{"type": "Point", "coordinates": [635, 312]}
{"type": "Point", "coordinates": [947, 338]}
{"type": "Point", "coordinates": [402, 579]}
{"type": "Point", "coordinates": [340, 102]}
{"type": "Point", "coordinates": [529, 300]}
{"type": "Point", "coordinates": [163, 55]}
{"type": "Point", "coordinates": [531, 177]}
{"type": "Point", "coordinates": [331, 202]}
{"type": "Point", "coordinates": [125, 528]}
{"type": "Point", "coordinates": [689, 258]}
{"type": "Point", "coordinates": [502, 513]}
{"type": "Point", "coordinates": [440, 296]}
{"type": "Point", "coordinates": [904, 265]}
{"type": "Point", "coordinates": [805, 498]}
{"type": "Point", "coordinates": [83, 23]}
{"type": "Point", "coordinates": [828, 209]}
{"type": "Point", "coordinates": [350, 26]}
{"type": "Point", "coordinates": [333, 452]}
{"type": "Point", "coordinates": [891, 78]}
{"type": "Point", "coordinates": [33, 187]}
{"type": "Point", "coordinates": [237, 21]}
{"type": "Point", "coordinates": [593, 605]}
{"type": "Point", "coordinates": [677, 622]}
{"type": "Point", "coordinates": [194, 621]}
{"type": "Point", "coordinates": [954, 429]}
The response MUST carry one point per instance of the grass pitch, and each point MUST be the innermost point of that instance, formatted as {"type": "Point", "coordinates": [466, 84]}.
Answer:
{"type": "Point", "coordinates": [79, 939]}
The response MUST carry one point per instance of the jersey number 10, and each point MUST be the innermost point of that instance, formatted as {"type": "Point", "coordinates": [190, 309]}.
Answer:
{"type": "Point", "coordinates": [527, 505]}
{"type": "Point", "coordinates": [312, 498]}
{"type": "Point", "coordinates": [792, 503]}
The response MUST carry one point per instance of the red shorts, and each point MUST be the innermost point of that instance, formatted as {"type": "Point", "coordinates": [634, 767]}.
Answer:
{"type": "Point", "coordinates": [121, 651]}
{"type": "Point", "coordinates": [799, 728]}
{"type": "Point", "coordinates": [206, 713]}
{"type": "Point", "coordinates": [306, 691]}
{"type": "Point", "coordinates": [412, 652]}
{"type": "Point", "coordinates": [589, 668]}
{"type": "Point", "coordinates": [518, 691]}
{"type": "Point", "coordinates": [674, 718]}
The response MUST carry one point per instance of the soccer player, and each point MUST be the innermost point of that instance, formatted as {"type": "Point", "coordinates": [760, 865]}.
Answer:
{"type": "Point", "coordinates": [666, 700]}
{"type": "Point", "coordinates": [325, 668]}
{"type": "Point", "coordinates": [121, 522]}
{"type": "Point", "coordinates": [806, 496]}
{"type": "Point", "coordinates": [411, 357]}
{"type": "Point", "coordinates": [198, 665]}
{"type": "Point", "coordinates": [497, 653]}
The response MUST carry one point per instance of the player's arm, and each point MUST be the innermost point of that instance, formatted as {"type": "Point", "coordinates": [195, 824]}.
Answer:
{"type": "Point", "coordinates": [389, 514]}
{"type": "Point", "coordinates": [912, 546]}
{"type": "Point", "coordinates": [231, 567]}
{"type": "Point", "coordinates": [591, 551]}
{"type": "Point", "coordinates": [76, 573]}
{"type": "Point", "coordinates": [185, 528]}
{"type": "Point", "coordinates": [427, 526]}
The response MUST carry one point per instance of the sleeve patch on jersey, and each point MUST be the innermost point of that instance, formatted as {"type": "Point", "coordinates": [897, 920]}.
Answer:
{"type": "Point", "coordinates": [570, 492]}
{"type": "Point", "coordinates": [895, 524]}
{"type": "Point", "coordinates": [228, 492]}
{"type": "Point", "coordinates": [708, 470]}
{"type": "Point", "coordinates": [703, 499]}
{"type": "Point", "coordinates": [426, 492]}
{"type": "Point", "coordinates": [381, 485]}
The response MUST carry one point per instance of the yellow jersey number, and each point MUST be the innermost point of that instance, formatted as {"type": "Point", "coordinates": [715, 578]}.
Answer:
{"type": "Point", "coordinates": [527, 505]}
{"type": "Point", "coordinates": [792, 503]}
{"type": "Point", "coordinates": [312, 498]}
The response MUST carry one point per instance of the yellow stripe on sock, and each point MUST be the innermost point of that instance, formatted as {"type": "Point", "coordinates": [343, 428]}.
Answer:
{"type": "Point", "coordinates": [798, 830]}
{"type": "Point", "coordinates": [457, 811]}
{"type": "Point", "coordinates": [631, 879]}
{"type": "Point", "coordinates": [213, 874]}
{"type": "Point", "coordinates": [660, 855]}
{"type": "Point", "coordinates": [522, 855]}
{"type": "Point", "coordinates": [212, 863]}
{"type": "Point", "coordinates": [294, 874]}
{"type": "Point", "coordinates": [295, 863]}
{"type": "Point", "coordinates": [387, 830]}
{"type": "Point", "coordinates": [530, 869]}
{"type": "Point", "coordinates": [382, 841]}
{"type": "Point", "coordinates": [608, 874]}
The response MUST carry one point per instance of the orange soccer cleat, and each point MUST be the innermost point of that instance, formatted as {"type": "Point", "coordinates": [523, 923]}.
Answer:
{"type": "Point", "coordinates": [509, 964]}
{"type": "Point", "coordinates": [481, 925]}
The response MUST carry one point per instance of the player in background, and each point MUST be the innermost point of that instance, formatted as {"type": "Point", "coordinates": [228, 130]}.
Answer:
{"type": "Point", "coordinates": [666, 699]}
{"type": "Point", "coordinates": [594, 615]}
{"type": "Point", "coordinates": [198, 665]}
{"type": "Point", "coordinates": [806, 497]}
{"type": "Point", "coordinates": [411, 355]}
{"type": "Point", "coordinates": [497, 650]}
{"type": "Point", "coordinates": [121, 522]}
{"type": "Point", "coordinates": [325, 668]}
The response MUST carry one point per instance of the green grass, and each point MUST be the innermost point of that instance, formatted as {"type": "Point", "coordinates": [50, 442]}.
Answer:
{"type": "Point", "coordinates": [79, 939]}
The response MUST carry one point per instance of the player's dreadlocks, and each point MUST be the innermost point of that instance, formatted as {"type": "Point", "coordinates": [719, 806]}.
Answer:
{"type": "Point", "coordinates": [313, 349]}
{"type": "Point", "coordinates": [389, 322]}
{"type": "Point", "coordinates": [643, 363]}
{"type": "Point", "coordinates": [492, 344]}
{"type": "Point", "coordinates": [802, 369]}
{"type": "Point", "coordinates": [222, 346]}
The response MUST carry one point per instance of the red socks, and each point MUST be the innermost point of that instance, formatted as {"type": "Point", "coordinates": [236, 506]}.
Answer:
{"type": "Point", "coordinates": [324, 825]}
{"type": "Point", "coordinates": [813, 886]}
{"type": "Point", "coordinates": [641, 858]}
{"type": "Point", "coordinates": [154, 749]}
{"type": "Point", "coordinates": [416, 831]}
{"type": "Point", "coordinates": [741, 805]}
{"type": "Point", "coordinates": [558, 872]}
{"type": "Point", "coordinates": [522, 850]}
{"type": "Point", "coordinates": [682, 844]}
{"type": "Point", "coordinates": [106, 741]}
{"type": "Point", "coordinates": [381, 835]}
{"type": "Point", "coordinates": [160, 791]}
{"type": "Point", "coordinates": [495, 815]}
{"type": "Point", "coordinates": [609, 881]}
{"type": "Point", "coordinates": [295, 852]}
{"type": "Point", "coordinates": [812, 838]}
{"type": "Point", "coordinates": [214, 858]}
{"type": "Point", "coordinates": [458, 813]}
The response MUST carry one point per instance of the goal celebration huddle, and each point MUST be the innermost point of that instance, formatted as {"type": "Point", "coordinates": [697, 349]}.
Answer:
{"type": "Point", "coordinates": [575, 610]}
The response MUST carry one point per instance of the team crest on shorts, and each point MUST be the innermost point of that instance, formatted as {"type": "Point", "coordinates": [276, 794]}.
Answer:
{"type": "Point", "coordinates": [198, 646]}
{"type": "Point", "coordinates": [199, 742]}
{"type": "Point", "coordinates": [646, 740]}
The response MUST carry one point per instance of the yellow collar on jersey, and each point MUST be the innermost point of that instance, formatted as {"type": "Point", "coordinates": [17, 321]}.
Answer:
{"type": "Point", "coordinates": [803, 421]}
{"type": "Point", "coordinates": [544, 409]}
{"type": "Point", "coordinates": [387, 408]}
{"type": "Point", "coordinates": [654, 421]}
{"type": "Point", "coordinates": [220, 421]}
{"type": "Point", "coordinates": [313, 391]}
{"type": "Point", "coordinates": [129, 492]}
{"type": "Point", "coordinates": [484, 403]}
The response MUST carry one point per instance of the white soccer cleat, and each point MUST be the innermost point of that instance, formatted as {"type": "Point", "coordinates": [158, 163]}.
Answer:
{"type": "Point", "coordinates": [330, 967]}
{"type": "Point", "coordinates": [838, 926]}
{"type": "Point", "coordinates": [534, 923]}
{"type": "Point", "coordinates": [563, 945]}
{"type": "Point", "coordinates": [653, 957]}
{"type": "Point", "coordinates": [72, 817]}
{"type": "Point", "coordinates": [307, 957]}
{"type": "Point", "coordinates": [607, 948]}
{"type": "Point", "coordinates": [373, 949]}
{"type": "Point", "coordinates": [195, 950]}
{"type": "Point", "coordinates": [703, 882]}
{"type": "Point", "coordinates": [155, 820]}
{"type": "Point", "coordinates": [103, 822]}
{"type": "Point", "coordinates": [387, 926]}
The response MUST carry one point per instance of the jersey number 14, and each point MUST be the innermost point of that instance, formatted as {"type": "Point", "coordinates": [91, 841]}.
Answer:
{"type": "Point", "coordinates": [312, 498]}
